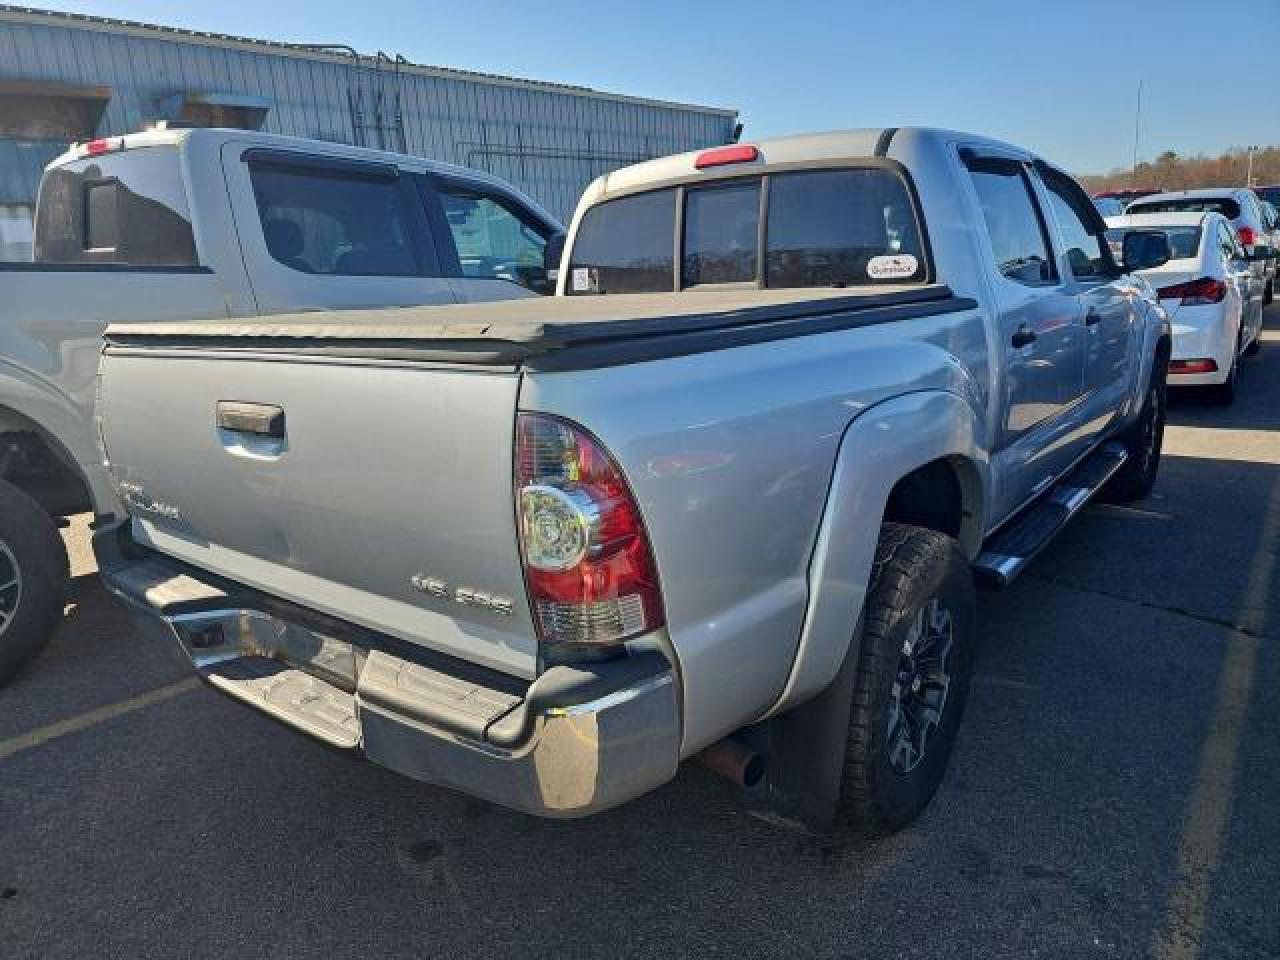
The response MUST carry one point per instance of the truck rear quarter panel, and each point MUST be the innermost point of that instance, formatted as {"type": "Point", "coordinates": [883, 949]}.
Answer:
{"type": "Point", "coordinates": [731, 456]}
{"type": "Point", "coordinates": [51, 341]}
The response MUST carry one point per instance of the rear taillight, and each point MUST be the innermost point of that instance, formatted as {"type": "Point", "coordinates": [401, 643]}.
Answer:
{"type": "Point", "coordinates": [587, 560]}
{"type": "Point", "coordinates": [1248, 236]}
{"type": "Point", "coordinates": [103, 145]}
{"type": "Point", "coordinates": [1205, 365]}
{"type": "Point", "coordinates": [1195, 292]}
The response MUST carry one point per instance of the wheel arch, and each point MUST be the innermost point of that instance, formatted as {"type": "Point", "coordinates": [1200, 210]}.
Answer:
{"type": "Point", "coordinates": [923, 442]}
{"type": "Point", "coordinates": [37, 463]}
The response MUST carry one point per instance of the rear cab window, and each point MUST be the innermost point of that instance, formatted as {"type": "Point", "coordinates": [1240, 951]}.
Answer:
{"type": "Point", "coordinates": [626, 245]}
{"type": "Point", "coordinates": [813, 228]}
{"type": "Point", "coordinates": [128, 208]}
{"type": "Point", "coordinates": [842, 228]}
{"type": "Point", "coordinates": [721, 233]}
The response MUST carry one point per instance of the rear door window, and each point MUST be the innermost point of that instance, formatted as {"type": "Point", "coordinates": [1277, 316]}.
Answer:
{"type": "Point", "coordinates": [721, 233]}
{"type": "Point", "coordinates": [344, 222]}
{"type": "Point", "coordinates": [1015, 228]}
{"type": "Point", "coordinates": [626, 245]}
{"type": "Point", "coordinates": [126, 208]}
{"type": "Point", "coordinates": [839, 228]}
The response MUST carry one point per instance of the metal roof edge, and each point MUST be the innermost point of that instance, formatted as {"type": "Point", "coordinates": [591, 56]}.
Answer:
{"type": "Point", "coordinates": [17, 14]}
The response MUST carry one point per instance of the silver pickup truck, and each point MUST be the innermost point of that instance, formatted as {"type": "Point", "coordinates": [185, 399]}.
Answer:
{"type": "Point", "coordinates": [201, 224]}
{"type": "Point", "coordinates": [726, 495]}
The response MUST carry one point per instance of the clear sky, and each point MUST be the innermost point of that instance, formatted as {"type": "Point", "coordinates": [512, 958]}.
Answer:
{"type": "Point", "coordinates": [1058, 76]}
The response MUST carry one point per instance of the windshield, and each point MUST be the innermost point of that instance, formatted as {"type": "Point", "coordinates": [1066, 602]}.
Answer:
{"type": "Point", "coordinates": [821, 228]}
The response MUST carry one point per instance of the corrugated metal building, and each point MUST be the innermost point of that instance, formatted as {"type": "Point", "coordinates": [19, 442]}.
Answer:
{"type": "Point", "coordinates": [67, 77]}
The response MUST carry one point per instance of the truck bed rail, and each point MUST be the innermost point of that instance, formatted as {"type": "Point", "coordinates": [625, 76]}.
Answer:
{"type": "Point", "coordinates": [551, 333]}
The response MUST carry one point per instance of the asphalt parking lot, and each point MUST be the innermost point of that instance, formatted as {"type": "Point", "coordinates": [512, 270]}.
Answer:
{"type": "Point", "coordinates": [1114, 793]}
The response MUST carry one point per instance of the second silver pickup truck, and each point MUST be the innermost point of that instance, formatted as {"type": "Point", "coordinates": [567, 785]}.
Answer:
{"type": "Point", "coordinates": [726, 495]}
{"type": "Point", "coordinates": [200, 224]}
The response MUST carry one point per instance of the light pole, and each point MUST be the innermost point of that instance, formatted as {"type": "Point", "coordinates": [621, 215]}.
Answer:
{"type": "Point", "coordinates": [1248, 177]}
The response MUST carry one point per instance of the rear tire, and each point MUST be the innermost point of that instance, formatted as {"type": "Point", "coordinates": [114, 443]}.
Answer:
{"type": "Point", "coordinates": [915, 659]}
{"type": "Point", "coordinates": [1142, 440]}
{"type": "Point", "coordinates": [33, 579]}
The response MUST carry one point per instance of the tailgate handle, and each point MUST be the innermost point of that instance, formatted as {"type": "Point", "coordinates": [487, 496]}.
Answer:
{"type": "Point", "coordinates": [259, 419]}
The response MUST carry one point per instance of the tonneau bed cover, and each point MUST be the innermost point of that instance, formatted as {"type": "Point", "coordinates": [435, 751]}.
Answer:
{"type": "Point", "coordinates": [552, 332]}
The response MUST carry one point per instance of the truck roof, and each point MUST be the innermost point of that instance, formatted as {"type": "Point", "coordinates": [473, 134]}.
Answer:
{"type": "Point", "coordinates": [212, 138]}
{"type": "Point", "coordinates": [777, 151]}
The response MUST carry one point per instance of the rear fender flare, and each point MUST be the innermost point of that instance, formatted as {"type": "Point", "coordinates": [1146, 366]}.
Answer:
{"type": "Point", "coordinates": [33, 405]}
{"type": "Point", "coordinates": [881, 446]}
{"type": "Point", "coordinates": [1156, 327]}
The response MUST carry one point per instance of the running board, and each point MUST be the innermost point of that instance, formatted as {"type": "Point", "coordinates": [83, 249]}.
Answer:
{"type": "Point", "coordinates": [1007, 553]}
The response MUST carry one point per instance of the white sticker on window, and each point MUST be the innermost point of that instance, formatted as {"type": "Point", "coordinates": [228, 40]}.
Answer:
{"type": "Point", "coordinates": [892, 267]}
{"type": "Point", "coordinates": [581, 279]}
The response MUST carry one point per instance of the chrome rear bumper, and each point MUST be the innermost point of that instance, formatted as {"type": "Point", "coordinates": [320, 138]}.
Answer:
{"type": "Point", "coordinates": [576, 741]}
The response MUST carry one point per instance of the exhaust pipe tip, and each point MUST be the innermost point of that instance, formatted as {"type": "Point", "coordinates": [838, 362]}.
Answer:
{"type": "Point", "coordinates": [739, 765]}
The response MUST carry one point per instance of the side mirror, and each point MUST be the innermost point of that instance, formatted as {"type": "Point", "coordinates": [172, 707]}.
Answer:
{"type": "Point", "coordinates": [1145, 249]}
{"type": "Point", "coordinates": [551, 255]}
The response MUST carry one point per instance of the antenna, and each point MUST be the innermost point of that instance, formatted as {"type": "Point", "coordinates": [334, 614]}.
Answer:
{"type": "Point", "coordinates": [1137, 125]}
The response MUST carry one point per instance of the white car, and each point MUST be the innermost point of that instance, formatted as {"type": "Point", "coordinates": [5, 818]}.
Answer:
{"type": "Point", "coordinates": [1242, 207]}
{"type": "Point", "coordinates": [1207, 289]}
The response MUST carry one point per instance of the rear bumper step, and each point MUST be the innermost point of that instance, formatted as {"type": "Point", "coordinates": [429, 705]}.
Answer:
{"type": "Point", "coordinates": [578, 740]}
{"type": "Point", "coordinates": [1010, 550]}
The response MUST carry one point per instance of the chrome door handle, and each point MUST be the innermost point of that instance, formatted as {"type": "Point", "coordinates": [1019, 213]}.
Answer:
{"type": "Point", "coordinates": [1022, 336]}
{"type": "Point", "coordinates": [257, 419]}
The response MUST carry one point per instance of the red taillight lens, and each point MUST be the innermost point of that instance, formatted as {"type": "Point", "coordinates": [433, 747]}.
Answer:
{"type": "Point", "coordinates": [1195, 292]}
{"type": "Point", "coordinates": [102, 145]}
{"type": "Point", "coordinates": [720, 156]}
{"type": "Point", "coordinates": [1248, 236]}
{"type": "Point", "coordinates": [587, 560]}
{"type": "Point", "coordinates": [1207, 365]}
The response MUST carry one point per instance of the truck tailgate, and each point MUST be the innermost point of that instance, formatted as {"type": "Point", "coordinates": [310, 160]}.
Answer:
{"type": "Point", "coordinates": [382, 499]}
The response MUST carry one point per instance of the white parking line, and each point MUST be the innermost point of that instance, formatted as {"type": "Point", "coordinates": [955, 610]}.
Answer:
{"type": "Point", "coordinates": [1124, 511]}
{"type": "Point", "coordinates": [91, 718]}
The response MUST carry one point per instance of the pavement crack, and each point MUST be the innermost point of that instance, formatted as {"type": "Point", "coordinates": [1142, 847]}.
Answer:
{"type": "Point", "coordinates": [1205, 618]}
